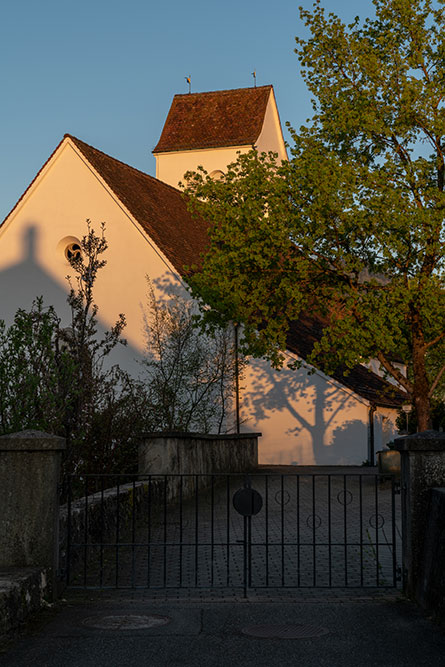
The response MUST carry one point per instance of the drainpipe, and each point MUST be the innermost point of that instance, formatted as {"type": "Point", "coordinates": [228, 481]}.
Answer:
{"type": "Point", "coordinates": [237, 379]}
{"type": "Point", "coordinates": [371, 443]}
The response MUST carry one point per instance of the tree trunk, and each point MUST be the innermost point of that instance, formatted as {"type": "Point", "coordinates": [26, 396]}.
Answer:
{"type": "Point", "coordinates": [421, 386]}
{"type": "Point", "coordinates": [422, 405]}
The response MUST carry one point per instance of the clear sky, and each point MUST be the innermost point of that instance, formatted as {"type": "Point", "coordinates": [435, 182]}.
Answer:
{"type": "Point", "coordinates": [106, 71]}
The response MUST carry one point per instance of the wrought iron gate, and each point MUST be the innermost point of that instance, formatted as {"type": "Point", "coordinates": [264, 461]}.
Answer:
{"type": "Point", "coordinates": [232, 531]}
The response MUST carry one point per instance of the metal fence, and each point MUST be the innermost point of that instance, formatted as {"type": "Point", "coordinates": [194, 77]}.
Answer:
{"type": "Point", "coordinates": [262, 530]}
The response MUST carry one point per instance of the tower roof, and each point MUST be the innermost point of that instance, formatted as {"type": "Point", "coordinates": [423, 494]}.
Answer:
{"type": "Point", "coordinates": [215, 119]}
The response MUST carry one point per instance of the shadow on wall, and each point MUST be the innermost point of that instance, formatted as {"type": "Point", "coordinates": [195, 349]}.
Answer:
{"type": "Point", "coordinates": [21, 283]}
{"type": "Point", "coordinates": [318, 418]}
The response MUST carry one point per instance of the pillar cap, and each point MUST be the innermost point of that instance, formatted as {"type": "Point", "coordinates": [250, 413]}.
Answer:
{"type": "Point", "coordinates": [426, 441]}
{"type": "Point", "coordinates": [31, 441]}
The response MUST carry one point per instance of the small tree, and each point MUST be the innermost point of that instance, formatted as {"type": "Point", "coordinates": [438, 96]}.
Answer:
{"type": "Point", "coordinates": [190, 374]}
{"type": "Point", "coordinates": [352, 228]}
{"type": "Point", "coordinates": [36, 372]}
{"type": "Point", "coordinates": [108, 406]}
{"type": "Point", "coordinates": [57, 379]}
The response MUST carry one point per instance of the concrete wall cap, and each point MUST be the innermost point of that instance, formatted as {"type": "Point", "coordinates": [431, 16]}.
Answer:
{"type": "Point", "coordinates": [31, 440]}
{"type": "Point", "coordinates": [426, 441]}
{"type": "Point", "coordinates": [200, 436]}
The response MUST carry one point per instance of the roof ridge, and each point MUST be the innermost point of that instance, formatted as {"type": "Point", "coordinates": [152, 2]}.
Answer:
{"type": "Point", "coordinates": [125, 164]}
{"type": "Point", "coordinates": [227, 90]}
{"type": "Point", "coordinates": [214, 119]}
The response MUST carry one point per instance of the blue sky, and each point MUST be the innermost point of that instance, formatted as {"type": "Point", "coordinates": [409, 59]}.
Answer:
{"type": "Point", "coordinates": [107, 71]}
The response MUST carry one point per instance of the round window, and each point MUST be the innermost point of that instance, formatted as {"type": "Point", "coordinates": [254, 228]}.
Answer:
{"type": "Point", "coordinates": [73, 251]}
{"type": "Point", "coordinates": [217, 175]}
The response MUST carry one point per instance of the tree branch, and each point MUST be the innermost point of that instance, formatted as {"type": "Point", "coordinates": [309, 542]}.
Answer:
{"type": "Point", "coordinates": [436, 381]}
{"type": "Point", "coordinates": [396, 374]}
{"type": "Point", "coordinates": [434, 341]}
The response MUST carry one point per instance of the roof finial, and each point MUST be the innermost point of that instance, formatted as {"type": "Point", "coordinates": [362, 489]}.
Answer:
{"type": "Point", "coordinates": [254, 78]}
{"type": "Point", "coordinates": [189, 81]}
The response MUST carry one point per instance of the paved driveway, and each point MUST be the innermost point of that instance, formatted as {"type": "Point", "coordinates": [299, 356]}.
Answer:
{"type": "Point", "coordinates": [316, 528]}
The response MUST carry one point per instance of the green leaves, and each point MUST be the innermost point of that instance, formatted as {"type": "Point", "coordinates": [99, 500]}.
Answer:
{"type": "Point", "coordinates": [352, 227]}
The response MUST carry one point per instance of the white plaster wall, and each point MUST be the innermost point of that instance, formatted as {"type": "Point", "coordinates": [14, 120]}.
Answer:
{"type": "Point", "coordinates": [385, 428]}
{"type": "Point", "coordinates": [375, 366]}
{"type": "Point", "coordinates": [31, 263]}
{"type": "Point", "coordinates": [171, 167]}
{"type": "Point", "coordinates": [305, 419]}
{"type": "Point", "coordinates": [271, 137]}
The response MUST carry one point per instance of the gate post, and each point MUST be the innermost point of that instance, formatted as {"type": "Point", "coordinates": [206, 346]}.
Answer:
{"type": "Point", "coordinates": [30, 463]}
{"type": "Point", "coordinates": [422, 468]}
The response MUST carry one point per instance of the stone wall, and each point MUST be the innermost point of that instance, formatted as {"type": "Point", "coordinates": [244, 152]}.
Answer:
{"type": "Point", "coordinates": [422, 469]}
{"type": "Point", "coordinates": [431, 584]}
{"type": "Point", "coordinates": [22, 593]}
{"type": "Point", "coordinates": [94, 519]}
{"type": "Point", "coordinates": [30, 463]}
{"type": "Point", "coordinates": [190, 453]}
{"type": "Point", "coordinates": [197, 457]}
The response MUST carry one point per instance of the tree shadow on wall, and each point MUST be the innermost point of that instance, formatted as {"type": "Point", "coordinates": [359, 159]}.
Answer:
{"type": "Point", "coordinates": [314, 406]}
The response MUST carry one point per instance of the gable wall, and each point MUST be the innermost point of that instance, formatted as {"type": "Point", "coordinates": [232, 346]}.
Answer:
{"type": "Point", "coordinates": [56, 207]}
{"type": "Point", "coordinates": [305, 419]}
{"type": "Point", "coordinates": [271, 137]}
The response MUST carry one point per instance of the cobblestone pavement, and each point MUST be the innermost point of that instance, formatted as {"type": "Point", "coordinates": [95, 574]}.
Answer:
{"type": "Point", "coordinates": [315, 533]}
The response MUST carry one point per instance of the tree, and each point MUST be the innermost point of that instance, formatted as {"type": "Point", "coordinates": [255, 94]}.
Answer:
{"type": "Point", "coordinates": [352, 227]}
{"type": "Point", "coordinates": [58, 379]}
{"type": "Point", "coordinates": [36, 372]}
{"type": "Point", "coordinates": [108, 407]}
{"type": "Point", "coordinates": [190, 375]}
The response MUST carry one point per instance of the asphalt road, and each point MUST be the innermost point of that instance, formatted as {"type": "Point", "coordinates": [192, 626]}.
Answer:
{"type": "Point", "coordinates": [350, 633]}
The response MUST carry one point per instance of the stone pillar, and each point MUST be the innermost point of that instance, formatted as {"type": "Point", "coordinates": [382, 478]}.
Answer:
{"type": "Point", "coordinates": [30, 464]}
{"type": "Point", "coordinates": [422, 468]}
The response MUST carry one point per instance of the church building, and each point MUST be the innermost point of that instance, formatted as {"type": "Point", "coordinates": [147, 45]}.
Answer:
{"type": "Point", "coordinates": [306, 418]}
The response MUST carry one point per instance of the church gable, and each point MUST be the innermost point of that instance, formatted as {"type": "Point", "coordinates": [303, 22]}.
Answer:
{"type": "Point", "coordinates": [159, 209]}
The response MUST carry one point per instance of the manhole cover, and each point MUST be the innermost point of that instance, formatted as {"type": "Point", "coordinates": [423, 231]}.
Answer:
{"type": "Point", "coordinates": [127, 622]}
{"type": "Point", "coordinates": [297, 631]}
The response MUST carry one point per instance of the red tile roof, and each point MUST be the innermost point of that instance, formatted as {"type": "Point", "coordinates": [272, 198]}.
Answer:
{"type": "Point", "coordinates": [160, 209]}
{"type": "Point", "coordinates": [216, 119]}
{"type": "Point", "coordinates": [309, 329]}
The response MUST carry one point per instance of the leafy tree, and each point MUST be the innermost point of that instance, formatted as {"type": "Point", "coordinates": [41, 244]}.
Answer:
{"type": "Point", "coordinates": [351, 227]}
{"type": "Point", "coordinates": [190, 374]}
{"type": "Point", "coordinates": [36, 372]}
{"type": "Point", "coordinates": [58, 380]}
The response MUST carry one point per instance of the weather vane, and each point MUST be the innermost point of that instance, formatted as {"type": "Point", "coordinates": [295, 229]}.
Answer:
{"type": "Point", "coordinates": [254, 78]}
{"type": "Point", "coordinates": [189, 81]}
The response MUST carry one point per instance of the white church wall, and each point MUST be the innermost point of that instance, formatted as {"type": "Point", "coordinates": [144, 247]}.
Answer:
{"type": "Point", "coordinates": [271, 137]}
{"type": "Point", "coordinates": [32, 261]}
{"type": "Point", "coordinates": [171, 167]}
{"type": "Point", "coordinates": [304, 419]}
{"type": "Point", "coordinates": [385, 428]}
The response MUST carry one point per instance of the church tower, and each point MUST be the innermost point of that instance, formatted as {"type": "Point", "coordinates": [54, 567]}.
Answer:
{"type": "Point", "coordinates": [209, 129]}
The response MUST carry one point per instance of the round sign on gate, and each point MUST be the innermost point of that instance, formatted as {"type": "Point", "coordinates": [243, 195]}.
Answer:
{"type": "Point", "coordinates": [247, 502]}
